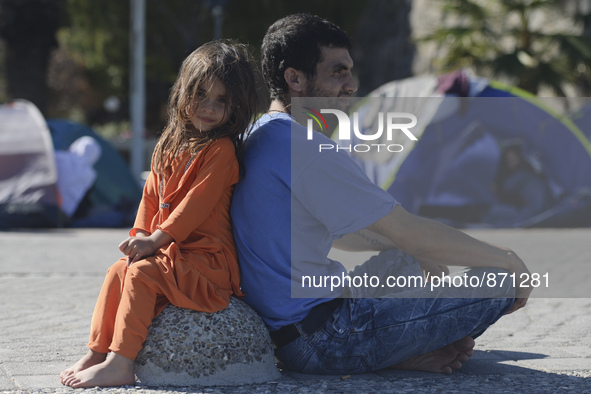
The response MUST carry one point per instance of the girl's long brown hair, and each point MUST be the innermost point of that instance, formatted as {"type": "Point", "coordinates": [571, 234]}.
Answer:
{"type": "Point", "coordinates": [232, 64]}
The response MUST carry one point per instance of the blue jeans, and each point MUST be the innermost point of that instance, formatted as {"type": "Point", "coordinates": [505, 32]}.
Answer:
{"type": "Point", "coordinates": [368, 334]}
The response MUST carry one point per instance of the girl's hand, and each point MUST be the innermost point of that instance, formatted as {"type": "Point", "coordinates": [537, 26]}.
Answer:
{"type": "Point", "coordinates": [136, 248]}
{"type": "Point", "coordinates": [141, 246]}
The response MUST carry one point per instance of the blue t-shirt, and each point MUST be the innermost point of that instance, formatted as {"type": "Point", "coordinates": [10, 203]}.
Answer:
{"type": "Point", "coordinates": [292, 203]}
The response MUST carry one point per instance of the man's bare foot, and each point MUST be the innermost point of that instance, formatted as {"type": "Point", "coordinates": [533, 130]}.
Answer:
{"type": "Point", "coordinates": [115, 371]}
{"type": "Point", "coordinates": [91, 358]}
{"type": "Point", "coordinates": [443, 360]}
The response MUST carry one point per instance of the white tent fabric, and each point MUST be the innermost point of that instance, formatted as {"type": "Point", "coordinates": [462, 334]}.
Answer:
{"type": "Point", "coordinates": [28, 173]}
{"type": "Point", "coordinates": [76, 172]}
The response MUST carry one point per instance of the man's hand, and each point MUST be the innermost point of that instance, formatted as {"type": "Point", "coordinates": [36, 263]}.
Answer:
{"type": "Point", "coordinates": [435, 244]}
{"type": "Point", "coordinates": [521, 293]}
{"type": "Point", "coordinates": [433, 269]}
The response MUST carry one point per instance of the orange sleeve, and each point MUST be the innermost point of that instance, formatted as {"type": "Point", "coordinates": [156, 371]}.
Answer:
{"type": "Point", "coordinates": [217, 171]}
{"type": "Point", "coordinates": [148, 207]}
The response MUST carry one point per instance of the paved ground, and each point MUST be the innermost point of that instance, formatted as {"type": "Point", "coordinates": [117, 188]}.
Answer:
{"type": "Point", "coordinates": [49, 281]}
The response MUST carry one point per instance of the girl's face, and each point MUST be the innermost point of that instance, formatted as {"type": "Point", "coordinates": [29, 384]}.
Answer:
{"type": "Point", "coordinates": [210, 108]}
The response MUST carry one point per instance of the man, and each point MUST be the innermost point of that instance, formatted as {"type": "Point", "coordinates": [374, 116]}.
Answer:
{"type": "Point", "coordinates": [294, 202]}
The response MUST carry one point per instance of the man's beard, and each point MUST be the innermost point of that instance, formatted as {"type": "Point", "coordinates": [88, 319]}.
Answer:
{"type": "Point", "coordinates": [341, 101]}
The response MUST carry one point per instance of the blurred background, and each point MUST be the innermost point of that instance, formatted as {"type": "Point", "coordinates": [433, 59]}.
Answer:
{"type": "Point", "coordinates": [74, 61]}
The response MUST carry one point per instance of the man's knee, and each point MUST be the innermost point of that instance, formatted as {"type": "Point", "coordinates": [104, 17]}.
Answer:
{"type": "Point", "coordinates": [502, 281]}
{"type": "Point", "coordinates": [494, 278]}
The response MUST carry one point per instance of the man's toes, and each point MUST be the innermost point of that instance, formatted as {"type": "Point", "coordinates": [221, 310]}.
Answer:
{"type": "Point", "coordinates": [470, 342]}
{"type": "Point", "coordinates": [462, 357]}
{"type": "Point", "coordinates": [465, 343]}
{"type": "Point", "coordinates": [446, 370]}
{"type": "Point", "coordinates": [456, 364]}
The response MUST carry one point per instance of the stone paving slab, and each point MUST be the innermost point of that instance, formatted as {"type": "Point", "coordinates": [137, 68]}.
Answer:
{"type": "Point", "coordinates": [49, 281]}
{"type": "Point", "coordinates": [5, 383]}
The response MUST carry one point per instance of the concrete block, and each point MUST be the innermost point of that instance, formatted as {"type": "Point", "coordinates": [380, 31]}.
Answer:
{"type": "Point", "coordinates": [188, 348]}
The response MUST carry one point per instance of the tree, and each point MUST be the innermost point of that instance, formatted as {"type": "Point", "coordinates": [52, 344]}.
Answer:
{"type": "Point", "coordinates": [95, 33]}
{"type": "Point", "coordinates": [91, 63]}
{"type": "Point", "coordinates": [583, 16]}
{"type": "Point", "coordinates": [29, 28]}
{"type": "Point", "coordinates": [499, 39]}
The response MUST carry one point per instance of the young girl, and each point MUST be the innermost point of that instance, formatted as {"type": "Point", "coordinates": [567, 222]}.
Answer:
{"type": "Point", "coordinates": [181, 249]}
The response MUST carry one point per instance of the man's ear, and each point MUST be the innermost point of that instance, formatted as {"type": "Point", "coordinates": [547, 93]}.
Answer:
{"type": "Point", "coordinates": [296, 80]}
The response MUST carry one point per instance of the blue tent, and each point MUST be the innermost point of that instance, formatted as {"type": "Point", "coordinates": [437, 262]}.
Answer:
{"type": "Point", "coordinates": [582, 118]}
{"type": "Point", "coordinates": [115, 195]}
{"type": "Point", "coordinates": [448, 172]}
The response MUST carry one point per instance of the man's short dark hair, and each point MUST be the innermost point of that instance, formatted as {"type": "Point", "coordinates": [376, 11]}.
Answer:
{"type": "Point", "coordinates": [296, 41]}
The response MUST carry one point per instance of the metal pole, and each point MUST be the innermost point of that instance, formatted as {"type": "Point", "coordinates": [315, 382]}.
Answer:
{"type": "Point", "coordinates": [137, 87]}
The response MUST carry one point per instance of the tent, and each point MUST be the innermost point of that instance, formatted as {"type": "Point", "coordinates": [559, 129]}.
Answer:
{"type": "Point", "coordinates": [29, 192]}
{"type": "Point", "coordinates": [28, 175]}
{"type": "Point", "coordinates": [115, 195]}
{"type": "Point", "coordinates": [464, 123]}
{"type": "Point", "coordinates": [582, 117]}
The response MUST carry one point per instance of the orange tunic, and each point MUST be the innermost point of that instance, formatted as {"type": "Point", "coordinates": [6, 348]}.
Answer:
{"type": "Point", "coordinates": [198, 271]}
{"type": "Point", "coordinates": [193, 206]}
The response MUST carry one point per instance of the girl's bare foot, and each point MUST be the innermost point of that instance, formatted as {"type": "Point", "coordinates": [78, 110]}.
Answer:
{"type": "Point", "coordinates": [91, 358]}
{"type": "Point", "coordinates": [116, 370]}
{"type": "Point", "coordinates": [443, 360]}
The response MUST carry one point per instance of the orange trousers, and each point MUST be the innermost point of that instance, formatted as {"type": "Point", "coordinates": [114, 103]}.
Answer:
{"type": "Point", "coordinates": [128, 302]}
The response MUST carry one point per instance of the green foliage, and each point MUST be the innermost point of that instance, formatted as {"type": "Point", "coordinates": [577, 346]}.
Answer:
{"type": "Point", "coordinates": [498, 39]}
{"type": "Point", "coordinates": [113, 130]}
{"type": "Point", "coordinates": [92, 61]}
{"type": "Point", "coordinates": [96, 31]}
{"type": "Point", "coordinates": [96, 35]}
{"type": "Point", "coordinates": [248, 21]}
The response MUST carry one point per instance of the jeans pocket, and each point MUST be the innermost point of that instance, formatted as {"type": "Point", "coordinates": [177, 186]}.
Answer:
{"type": "Point", "coordinates": [340, 321]}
